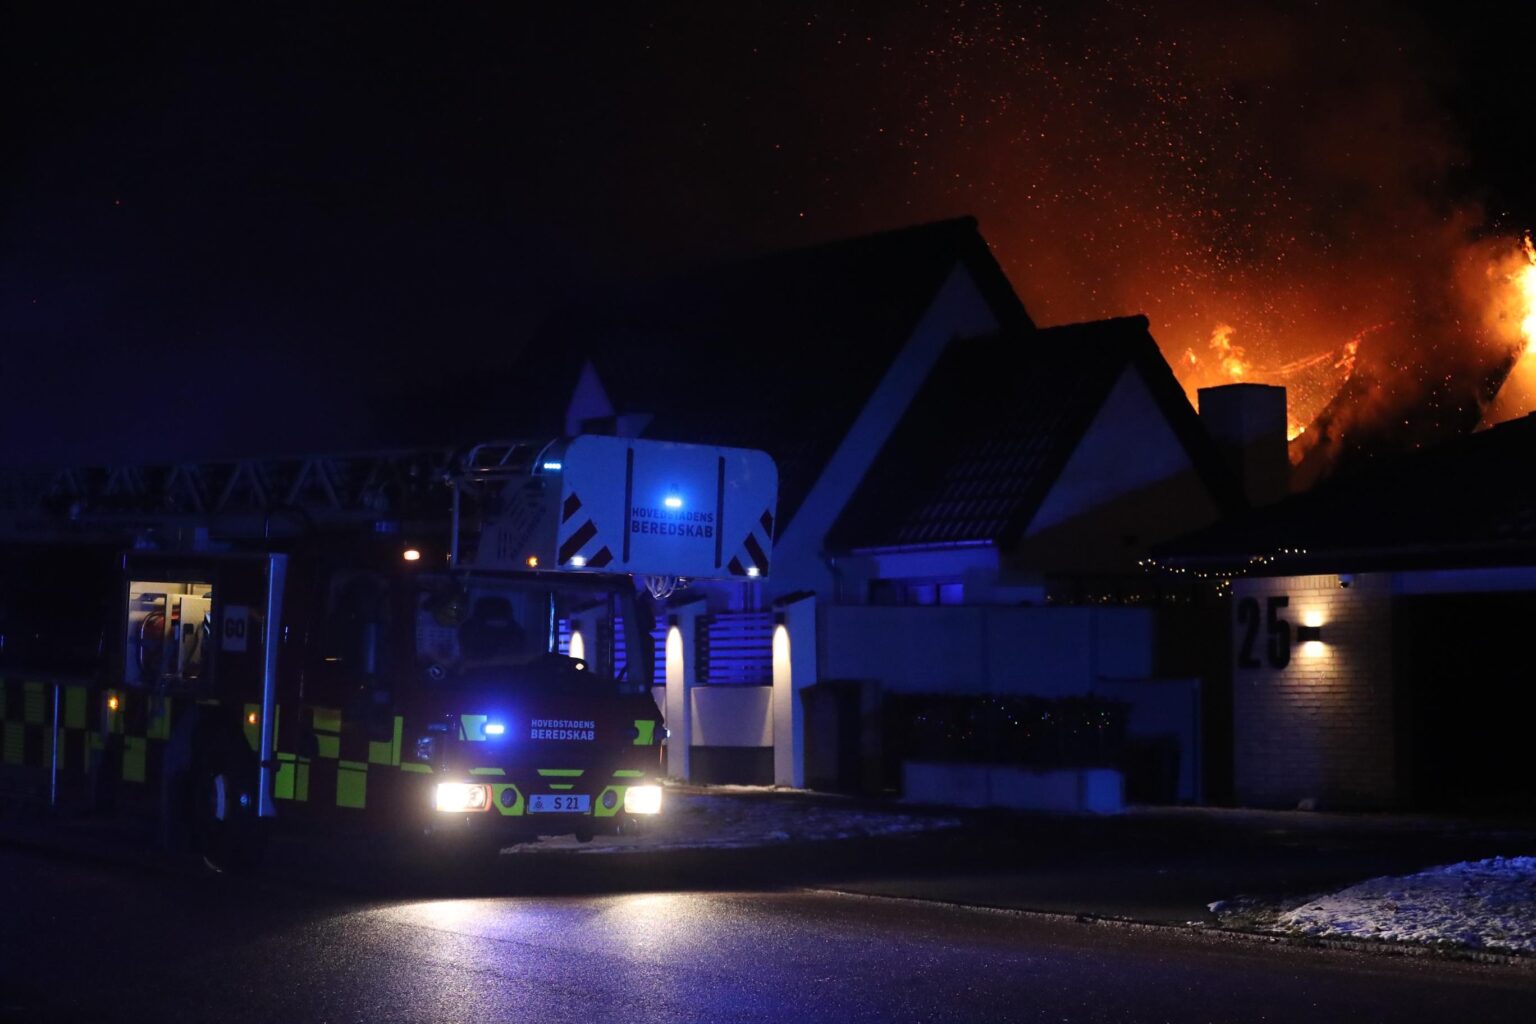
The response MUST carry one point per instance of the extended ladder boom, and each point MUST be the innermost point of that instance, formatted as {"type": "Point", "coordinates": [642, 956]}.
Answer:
{"type": "Point", "coordinates": [588, 504]}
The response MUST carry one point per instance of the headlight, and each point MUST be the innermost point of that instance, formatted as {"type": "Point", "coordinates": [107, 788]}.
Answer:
{"type": "Point", "coordinates": [459, 797]}
{"type": "Point", "coordinates": [642, 800]}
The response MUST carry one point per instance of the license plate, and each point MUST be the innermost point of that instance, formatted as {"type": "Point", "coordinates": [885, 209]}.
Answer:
{"type": "Point", "coordinates": [559, 803]}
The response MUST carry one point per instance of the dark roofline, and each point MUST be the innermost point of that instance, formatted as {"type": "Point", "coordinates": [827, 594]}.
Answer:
{"type": "Point", "coordinates": [970, 246]}
{"type": "Point", "coordinates": [1147, 359]}
{"type": "Point", "coordinates": [1117, 345]}
{"type": "Point", "coordinates": [946, 246]}
{"type": "Point", "coordinates": [995, 287]}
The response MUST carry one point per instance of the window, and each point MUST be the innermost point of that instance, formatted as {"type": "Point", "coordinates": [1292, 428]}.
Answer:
{"type": "Point", "coordinates": [169, 626]}
{"type": "Point", "coordinates": [461, 629]}
{"type": "Point", "coordinates": [497, 632]}
{"type": "Point", "coordinates": [916, 592]}
{"type": "Point", "coordinates": [352, 651]}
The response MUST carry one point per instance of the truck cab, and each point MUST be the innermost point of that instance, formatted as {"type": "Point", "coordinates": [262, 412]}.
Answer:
{"type": "Point", "coordinates": [446, 703]}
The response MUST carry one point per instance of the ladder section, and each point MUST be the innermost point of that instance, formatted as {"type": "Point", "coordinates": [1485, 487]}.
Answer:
{"type": "Point", "coordinates": [320, 489]}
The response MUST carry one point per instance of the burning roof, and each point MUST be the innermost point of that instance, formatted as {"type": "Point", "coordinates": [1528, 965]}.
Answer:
{"type": "Point", "coordinates": [1467, 502]}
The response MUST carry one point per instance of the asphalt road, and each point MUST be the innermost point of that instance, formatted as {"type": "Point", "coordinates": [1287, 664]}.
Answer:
{"type": "Point", "coordinates": [82, 941]}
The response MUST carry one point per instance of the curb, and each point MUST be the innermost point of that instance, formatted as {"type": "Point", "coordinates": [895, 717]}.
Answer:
{"type": "Point", "coordinates": [1373, 947]}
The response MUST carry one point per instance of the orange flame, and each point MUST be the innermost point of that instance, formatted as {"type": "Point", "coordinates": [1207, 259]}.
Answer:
{"type": "Point", "coordinates": [1526, 280]}
{"type": "Point", "coordinates": [1347, 357]}
{"type": "Point", "coordinates": [1231, 363]}
{"type": "Point", "coordinates": [1510, 317]}
{"type": "Point", "coordinates": [1229, 355]}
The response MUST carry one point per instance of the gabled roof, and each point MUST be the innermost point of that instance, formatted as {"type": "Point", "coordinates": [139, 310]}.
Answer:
{"type": "Point", "coordinates": [993, 428]}
{"type": "Point", "coordinates": [1468, 502]}
{"type": "Point", "coordinates": [779, 352]}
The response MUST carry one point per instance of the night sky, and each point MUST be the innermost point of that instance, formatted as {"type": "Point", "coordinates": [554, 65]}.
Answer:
{"type": "Point", "coordinates": [265, 228]}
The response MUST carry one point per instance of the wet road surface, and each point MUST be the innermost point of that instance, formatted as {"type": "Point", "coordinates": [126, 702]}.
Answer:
{"type": "Point", "coordinates": [83, 941]}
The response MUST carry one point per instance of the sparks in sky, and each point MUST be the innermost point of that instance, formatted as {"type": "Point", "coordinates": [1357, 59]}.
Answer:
{"type": "Point", "coordinates": [1266, 185]}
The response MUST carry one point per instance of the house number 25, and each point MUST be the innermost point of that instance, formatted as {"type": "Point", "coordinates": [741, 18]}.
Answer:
{"type": "Point", "coordinates": [1277, 633]}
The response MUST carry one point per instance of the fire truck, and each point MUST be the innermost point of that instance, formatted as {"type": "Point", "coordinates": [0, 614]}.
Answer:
{"type": "Point", "coordinates": [429, 641]}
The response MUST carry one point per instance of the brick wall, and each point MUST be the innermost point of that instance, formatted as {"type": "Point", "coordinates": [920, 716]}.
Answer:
{"type": "Point", "coordinates": [1321, 727]}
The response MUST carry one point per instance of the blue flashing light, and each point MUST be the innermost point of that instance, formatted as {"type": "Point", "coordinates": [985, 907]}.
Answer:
{"type": "Point", "coordinates": [672, 501]}
{"type": "Point", "coordinates": [494, 728]}
{"type": "Point", "coordinates": [553, 467]}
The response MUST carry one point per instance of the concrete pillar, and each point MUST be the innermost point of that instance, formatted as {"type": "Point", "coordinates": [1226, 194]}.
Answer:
{"type": "Point", "coordinates": [581, 634]}
{"type": "Point", "coordinates": [794, 668]}
{"type": "Point", "coordinates": [682, 662]}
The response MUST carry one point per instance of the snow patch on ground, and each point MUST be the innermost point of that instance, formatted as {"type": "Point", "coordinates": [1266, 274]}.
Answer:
{"type": "Point", "coordinates": [1485, 904]}
{"type": "Point", "coordinates": [737, 817]}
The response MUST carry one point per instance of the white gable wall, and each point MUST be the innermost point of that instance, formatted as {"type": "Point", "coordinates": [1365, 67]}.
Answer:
{"type": "Point", "coordinates": [1129, 446]}
{"type": "Point", "coordinates": [1129, 478]}
{"type": "Point", "coordinates": [957, 311]}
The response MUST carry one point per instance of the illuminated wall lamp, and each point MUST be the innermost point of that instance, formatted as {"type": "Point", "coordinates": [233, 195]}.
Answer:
{"type": "Point", "coordinates": [1309, 634]}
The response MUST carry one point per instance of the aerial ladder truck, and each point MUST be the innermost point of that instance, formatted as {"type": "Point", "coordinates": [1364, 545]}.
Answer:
{"type": "Point", "coordinates": [378, 641]}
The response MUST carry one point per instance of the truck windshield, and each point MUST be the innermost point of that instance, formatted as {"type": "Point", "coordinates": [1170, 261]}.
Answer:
{"type": "Point", "coordinates": [496, 632]}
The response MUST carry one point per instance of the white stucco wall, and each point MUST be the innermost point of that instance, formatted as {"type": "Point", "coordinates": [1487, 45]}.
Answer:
{"type": "Point", "coordinates": [732, 716]}
{"type": "Point", "coordinates": [977, 650]}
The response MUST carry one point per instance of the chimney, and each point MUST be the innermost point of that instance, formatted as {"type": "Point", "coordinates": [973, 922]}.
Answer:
{"type": "Point", "coordinates": [1248, 424]}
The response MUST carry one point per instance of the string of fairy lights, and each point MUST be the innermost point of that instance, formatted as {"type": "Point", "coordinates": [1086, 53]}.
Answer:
{"type": "Point", "coordinates": [1222, 578]}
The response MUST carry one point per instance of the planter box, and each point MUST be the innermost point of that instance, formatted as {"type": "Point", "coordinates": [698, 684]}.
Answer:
{"type": "Point", "coordinates": [1094, 790]}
